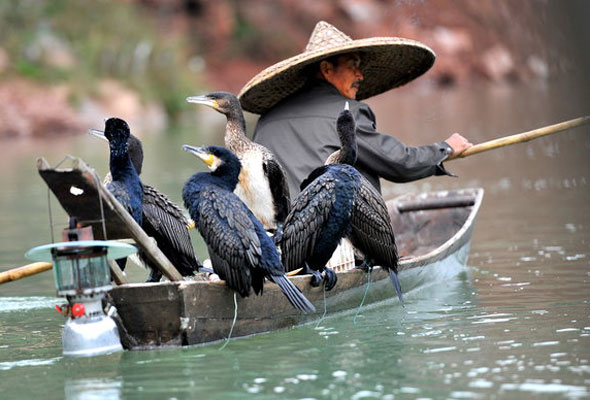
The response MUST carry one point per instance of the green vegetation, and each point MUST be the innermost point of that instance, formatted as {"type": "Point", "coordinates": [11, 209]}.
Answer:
{"type": "Point", "coordinates": [80, 42]}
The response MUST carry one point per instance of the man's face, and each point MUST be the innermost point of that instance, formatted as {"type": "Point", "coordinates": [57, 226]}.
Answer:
{"type": "Point", "coordinates": [346, 75]}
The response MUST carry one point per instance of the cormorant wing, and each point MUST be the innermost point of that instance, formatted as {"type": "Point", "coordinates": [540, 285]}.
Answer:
{"type": "Point", "coordinates": [234, 248]}
{"type": "Point", "coordinates": [372, 232]}
{"type": "Point", "coordinates": [279, 188]}
{"type": "Point", "coordinates": [165, 222]}
{"type": "Point", "coordinates": [312, 176]}
{"type": "Point", "coordinates": [304, 223]}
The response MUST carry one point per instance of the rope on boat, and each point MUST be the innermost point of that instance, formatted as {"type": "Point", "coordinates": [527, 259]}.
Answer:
{"type": "Point", "coordinates": [50, 215]}
{"type": "Point", "coordinates": [49, 201]}
{"type": "Point", "coordinates": [233, 323]}
{"type": "Point", "coordinates": [104, 227]}
{"type": "Point", "coordinates": [325, 309]}
{"type": "Point", "coordinates": [364, 296]}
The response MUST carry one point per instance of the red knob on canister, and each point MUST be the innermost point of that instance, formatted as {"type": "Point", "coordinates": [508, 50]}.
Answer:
{"type": "Point", "coordinates": [78, 310]}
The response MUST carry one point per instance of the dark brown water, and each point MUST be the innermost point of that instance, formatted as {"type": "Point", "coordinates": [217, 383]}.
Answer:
{"type": "Point", "coordinates": [515, 323]}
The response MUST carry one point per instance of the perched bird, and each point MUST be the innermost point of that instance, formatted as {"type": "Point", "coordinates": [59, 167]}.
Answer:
{"type": "Point", "coordinates": [162, 220]}
{"type": "Point", "coordinates": [321, 214]}
{"type": "Point", "coordinates": [241, 252]}
{"type": "Point", "coordinates": [125, 184]}
{"type": "Point", "coordinates": [263, 183]}
{"type": "Point", "coordinates": [372, 232]}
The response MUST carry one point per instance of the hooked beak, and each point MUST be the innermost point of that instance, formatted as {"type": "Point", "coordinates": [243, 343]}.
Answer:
{"type": "Point", "coordinates": [203, 100]}
{"type": "Point", "coordinates": [98, 133]}
{"type": "Point", "coordinates": [200, 152]}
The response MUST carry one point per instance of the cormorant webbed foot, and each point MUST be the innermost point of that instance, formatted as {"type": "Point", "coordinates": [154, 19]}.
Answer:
{"type": "Point", "coordinates": [316, 277]}
{"type": "Point", "coordinates": [330, 279]}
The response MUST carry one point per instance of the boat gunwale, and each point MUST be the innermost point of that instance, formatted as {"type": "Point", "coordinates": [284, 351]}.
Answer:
{"type": "Point", "coordinates": [404, 263]}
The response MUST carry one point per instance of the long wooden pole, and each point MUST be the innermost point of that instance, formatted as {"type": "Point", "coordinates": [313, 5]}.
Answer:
{"type": "Point", "coordinates": [24, 271]}
{"type": "Point", "coordinates": [38, 267]}
{"type": "Point", "coordinates": [523, 137]}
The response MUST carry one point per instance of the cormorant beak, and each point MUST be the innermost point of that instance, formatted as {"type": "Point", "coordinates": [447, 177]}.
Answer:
{"type": "Point", "coordinates": [204, 100]}
{"type": "Point", "coordinates": [200, 152]}
{"type": "Point", "coordinates": [98, 133]}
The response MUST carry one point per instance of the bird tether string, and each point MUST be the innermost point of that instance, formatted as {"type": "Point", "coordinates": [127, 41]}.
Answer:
{"type": "Point", "coordinates": [50, 215]}
{"type": "Point", "coordinates": [325, 309]}
{"type": "Point", "coordinates": [49, 204]}
{"type": "Point", "coordinates": [233, 323]}
{"type": "Point", "coordinates": [364, 296]}
{"type": "Point", "coordinates": [104, 228]}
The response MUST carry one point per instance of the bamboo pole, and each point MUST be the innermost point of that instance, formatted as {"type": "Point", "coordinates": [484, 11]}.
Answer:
{"type": "Point", "coordinates": [38, 267]}
{"type": "Point", "coordinates": [523, 137]}
{"type": "Point", "coordinates": [24, 271]}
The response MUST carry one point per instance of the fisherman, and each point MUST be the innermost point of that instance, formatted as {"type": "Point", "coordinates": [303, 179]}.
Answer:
{"type": "Point", "coordinates": [299, 99]}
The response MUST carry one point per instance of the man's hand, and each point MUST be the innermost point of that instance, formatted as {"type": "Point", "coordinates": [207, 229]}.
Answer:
{"type": "Point", "coordinates": [458, 143]}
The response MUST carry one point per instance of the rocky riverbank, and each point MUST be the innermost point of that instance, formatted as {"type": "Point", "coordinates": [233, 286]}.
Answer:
{"type": "Point", "coordinates": [224, 43]}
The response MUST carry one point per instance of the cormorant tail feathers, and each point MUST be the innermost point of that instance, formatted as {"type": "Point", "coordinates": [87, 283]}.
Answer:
{"type": "Point", "coordinates": [396, 284]}
{"type": "Point", "coordinates": [293, 294]}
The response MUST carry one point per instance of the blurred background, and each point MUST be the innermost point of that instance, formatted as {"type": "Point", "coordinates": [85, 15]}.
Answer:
{"type": "Point", "coordinates": [65, 65]}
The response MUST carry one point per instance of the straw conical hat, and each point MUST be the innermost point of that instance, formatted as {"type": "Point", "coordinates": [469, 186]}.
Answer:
{"type": "Point", "coordinates": [387, 62]}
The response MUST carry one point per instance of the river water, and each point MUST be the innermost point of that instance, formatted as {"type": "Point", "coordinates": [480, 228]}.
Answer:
{"type": "Point", "coordinates": [513, 323]}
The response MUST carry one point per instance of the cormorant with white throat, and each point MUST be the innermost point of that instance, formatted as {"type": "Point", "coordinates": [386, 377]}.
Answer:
{"type": "Point", "coordinates": [240, 250]}
{"type": "Point", "coordinates": [263, 183]}
{"type": "Point", "coordinates": [161, 219]}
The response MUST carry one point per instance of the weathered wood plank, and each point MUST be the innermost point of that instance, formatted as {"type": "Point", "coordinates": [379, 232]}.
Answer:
{"type": "Point", "coordinates": [82, 195]}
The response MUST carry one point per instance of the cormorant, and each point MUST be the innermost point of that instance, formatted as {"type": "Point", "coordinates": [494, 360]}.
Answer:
{"type": "Point", "coordinates": [161, 219]}
{"type": "Point", "coordinates": [322, 213]}
{"type": "Point", "coordinates": [125, 184]}
{"type": "Point", "coordinates": [372, 232]}
{"type": "Point", "coordinates": [263, 183]}
{"type": "Point", "coordinates": [241, 252]}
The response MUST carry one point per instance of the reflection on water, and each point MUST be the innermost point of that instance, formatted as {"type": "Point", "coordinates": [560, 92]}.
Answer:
{"type": "Point", "coordinates": [90, 389]}
{"type": "Point", "coordinates": [514, 324]}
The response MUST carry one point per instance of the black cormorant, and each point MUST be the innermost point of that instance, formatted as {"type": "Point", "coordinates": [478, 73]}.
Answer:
{"type": "Point", "coordinates": [241, 252]}
{"type": "Point", "coordinates": [162, 220]}
{"type": "Point", "coordinates": [125, 184]}
{"type": "Point", "coordinates": [263, 183]}
{"type": "Point", "coordinates": [321, 214]}
{"type": "Point", "coordinates": [372, 232]}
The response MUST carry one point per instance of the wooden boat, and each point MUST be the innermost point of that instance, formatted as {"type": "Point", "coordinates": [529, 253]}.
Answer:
{"type": "Point", "coordinates": [431, 229]}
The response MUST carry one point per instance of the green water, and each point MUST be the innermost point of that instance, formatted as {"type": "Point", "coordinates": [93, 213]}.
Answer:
{"type": "Point", "coordinates": [514, 323]}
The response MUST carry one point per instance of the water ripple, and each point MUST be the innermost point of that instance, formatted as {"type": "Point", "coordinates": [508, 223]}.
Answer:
{"type": "Point", "coordinates": [4, 366]}
{"type": "Point", "coordinates": [569, 390]}
{"type": "Point", "coordinates": [9, 304]}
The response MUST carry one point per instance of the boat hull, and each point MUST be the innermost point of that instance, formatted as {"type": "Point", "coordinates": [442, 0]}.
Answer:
{"type": "Point", "coordinates": [435, 236]}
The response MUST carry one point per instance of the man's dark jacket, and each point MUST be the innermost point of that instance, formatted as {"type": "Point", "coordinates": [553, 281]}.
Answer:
{"type": "Point", "coordinates": [301, 132]}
